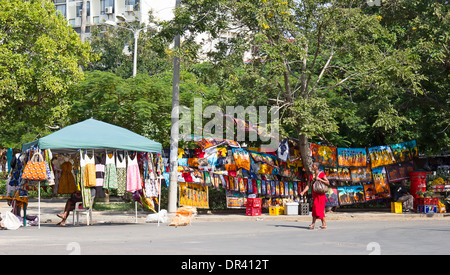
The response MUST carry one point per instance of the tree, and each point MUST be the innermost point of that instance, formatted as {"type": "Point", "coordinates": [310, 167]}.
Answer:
{"type": "Point", "coordinates": [40, 57]}
{"type": "Point", "coordinates": [302, 52]}
{"type": "Point", "coordinates": [423, 27]}
{"type": "Point", "coordinates": [141, 104]}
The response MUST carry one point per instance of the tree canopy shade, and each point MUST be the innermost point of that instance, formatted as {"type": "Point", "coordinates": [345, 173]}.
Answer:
{"type": "Point", "coordinates": [94, 134]}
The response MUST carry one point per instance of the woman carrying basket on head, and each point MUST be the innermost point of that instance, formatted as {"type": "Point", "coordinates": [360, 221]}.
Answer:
{"type": "Point", "coordinates": [319, 198]}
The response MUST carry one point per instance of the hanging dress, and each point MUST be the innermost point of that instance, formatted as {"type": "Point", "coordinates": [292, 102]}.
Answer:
{"type": "Point", "coordinates": [85, 191]}
{"type": "Point", "coordinates": [121, 169]}
{"type": "Point", "coordinates": [133, 175]}
{"type": "Point", "coordinates": [99, 177]}
{"type": "Point", "coordinates": [90, 179]}
{"type": "Point", "coordinates": [110, 181]}
{"type": "Point", "coordinates": [67, 183]}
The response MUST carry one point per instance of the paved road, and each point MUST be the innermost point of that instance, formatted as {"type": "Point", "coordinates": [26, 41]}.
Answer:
{"type": "Point", "coordinates": [234, 237]}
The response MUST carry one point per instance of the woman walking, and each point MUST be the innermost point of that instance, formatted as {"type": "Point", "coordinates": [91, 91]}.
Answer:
{"type": "Point", "coordinates": [318, 208]}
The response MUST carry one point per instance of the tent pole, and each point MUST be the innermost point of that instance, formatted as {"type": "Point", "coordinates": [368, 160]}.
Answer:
{"type": "Point", "coordinates": [39, 206]}
{"type": "Point", "coordinates": [159, 199]}
{"type": "Point", "coordinates": [135, 210]}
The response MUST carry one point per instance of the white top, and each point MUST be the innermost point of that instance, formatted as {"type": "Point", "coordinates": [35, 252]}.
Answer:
{"type": "Point", "coordinates": [121, 164]}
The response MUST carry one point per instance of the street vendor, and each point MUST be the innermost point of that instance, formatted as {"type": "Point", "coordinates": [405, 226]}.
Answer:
{"type": "Point", "coordinates": [402, 195]}
{"type": "Point", "coordinates": [70, 206]}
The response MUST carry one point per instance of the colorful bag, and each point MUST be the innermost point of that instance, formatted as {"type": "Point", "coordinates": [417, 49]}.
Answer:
{"type": "Point", "coordinates": [35, 169]}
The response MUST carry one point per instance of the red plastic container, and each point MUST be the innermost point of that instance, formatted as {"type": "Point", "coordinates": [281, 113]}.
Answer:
{"type": "Point", "coordinates": [254, 202]}
{"type": "Point", "coordinates": [418, 182]}
{"type": "Point", "coordinates": [253, 211]}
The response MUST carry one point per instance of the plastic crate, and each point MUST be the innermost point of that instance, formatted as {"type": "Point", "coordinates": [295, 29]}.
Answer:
{"type": "Point", "coordinates": [254, 202]}
{"type": "Point", "coordinates": [276, 210]}
{"type": "Point", "coordinates": [427, 209]}
{"type": "Point", "coordinates": [253, 211]}
{"type": "Point", "coordinates": [396, 207]}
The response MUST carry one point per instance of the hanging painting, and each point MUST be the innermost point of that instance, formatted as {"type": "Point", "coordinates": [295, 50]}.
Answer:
{"type": "Point", "coordinates": [381, 156]}
{"type": "Point", "coordinates": [400, 171]}
{"type": "Point", "coordinates": [332, 197]}
{"type": "Point", "coordinates": [343, 196]}
{"type": "Point", "coordinates": [405, 151]}
{"type": "Point", "coordinates": [361, 174]}
{"type": "Point", "coordinates": [369, 191]}
{"type": "Point", "coordinates": [344, 174]}
{"type": "Point", "coordinates": [324, 155]}
{"type": "Point", "coordinates": [381, 183]}
{"type": "Point", "coordinates": [352, 157]}
{"type": "Point", "coordinates": [330, 172]}
{"type": "Point", "coordinates": [192, 194]}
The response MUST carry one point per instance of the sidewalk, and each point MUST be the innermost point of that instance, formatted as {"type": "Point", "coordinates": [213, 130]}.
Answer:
{"type": "Point", "coordinates": [51, 207]}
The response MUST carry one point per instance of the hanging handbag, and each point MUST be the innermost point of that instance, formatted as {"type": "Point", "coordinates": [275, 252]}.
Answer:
{"type": "Point", "coordinates": [320, 187]}
{"type": "Point", "coordinates": [35, 169]}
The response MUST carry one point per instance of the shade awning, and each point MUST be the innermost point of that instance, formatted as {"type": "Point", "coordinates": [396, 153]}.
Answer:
{"type": "Point", "coordinates": [94, 134]}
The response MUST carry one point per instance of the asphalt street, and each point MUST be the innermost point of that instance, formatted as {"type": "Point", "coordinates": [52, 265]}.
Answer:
{"type": "Point", "coordinates": [265, 237]}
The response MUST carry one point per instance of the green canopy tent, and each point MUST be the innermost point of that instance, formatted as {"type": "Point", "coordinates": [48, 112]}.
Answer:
{"type": "Point", "coordinates": [92, 134]}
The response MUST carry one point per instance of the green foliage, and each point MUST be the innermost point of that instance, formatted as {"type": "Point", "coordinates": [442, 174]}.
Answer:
{"type": "Point", "coordinates": [40, 57]}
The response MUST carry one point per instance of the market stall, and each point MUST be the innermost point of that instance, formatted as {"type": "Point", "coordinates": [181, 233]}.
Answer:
{"type": "Point", "coordinates": [93, 155]}
{"type": "Point", "coordinates": [358, 175]}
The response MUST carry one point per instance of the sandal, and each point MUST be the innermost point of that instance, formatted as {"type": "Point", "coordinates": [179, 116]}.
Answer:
{"type": "Point", "coordinates": [323, 227]}
{"type": "Point", "coordinates": [311, 226]}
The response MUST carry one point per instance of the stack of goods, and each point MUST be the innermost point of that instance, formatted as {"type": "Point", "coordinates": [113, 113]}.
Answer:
{"type": "Point", "coordinates": [253, 207]}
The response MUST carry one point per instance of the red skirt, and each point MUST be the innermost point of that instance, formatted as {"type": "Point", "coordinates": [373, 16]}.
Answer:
{"type": "Point", "coordinates": [318, 208]}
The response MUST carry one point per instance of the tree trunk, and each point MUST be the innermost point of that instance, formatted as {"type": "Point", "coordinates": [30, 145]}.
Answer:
{"type": "Point", "coordinates": [304, 152]}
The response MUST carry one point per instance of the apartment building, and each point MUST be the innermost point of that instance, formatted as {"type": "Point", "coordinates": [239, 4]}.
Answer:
{"type": "Point", "coordinates": [101, 11]}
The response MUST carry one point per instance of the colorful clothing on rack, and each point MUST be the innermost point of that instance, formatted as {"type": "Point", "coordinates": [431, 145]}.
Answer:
{"type": "Point", "coordinates": [67, 183]}
{"type": "Point", "coordinates": [89, 179]}
{"type": "Point", "coordinates": [121, 170]}
{"type": "Point", "coordinates": [133, 175]}
{"type": "Point", "coordinates": [85, 192]}
{"type": "Point", "coordinates": [110, 181]}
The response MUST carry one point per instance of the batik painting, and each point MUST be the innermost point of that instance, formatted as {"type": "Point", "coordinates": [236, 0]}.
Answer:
{"type": "Point", "coordinates": [330, 172]}
{"type": "Point", "coordinates": [324, 155]}
{"type": "Point", "coordinates": [192, 194]}
{"type": "Point", "coordinates": [344, 173]}
{"type": "Point", "coordinates": [343, 196]}
{"type": "Point", "coordinates": [405, 151]}
{"type": "Point", "coordinates": [332, 197]}
{"type": "Point", "coordinates": [381, 156]}
{"type": "Point", "coordinates": [369, 191]}
{"type": "Point", "coordinates": [352, 157]}
{"type": "Point", "coordinates": [400, 171]}
{"type": "Point", "coordinates": [235, 200]}
{"type": "Point", "coordinates": [381, 182]}
{"type": "Point", "coordinates": [361, 174]}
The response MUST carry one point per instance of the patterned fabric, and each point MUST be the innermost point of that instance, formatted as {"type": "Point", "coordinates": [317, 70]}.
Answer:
{"type": "Point", "coordinates": [35, 169]}
{"type": "Point", "coordinates": [121, 181]}
{"type": "Point", "coordinates": [110, 181]}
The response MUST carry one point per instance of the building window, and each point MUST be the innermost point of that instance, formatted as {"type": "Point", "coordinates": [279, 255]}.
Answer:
{"type": "Point", "coordinates": [106, 4]}
{"type": "Point", "coordinates": [134, 3]}
{"type": "Point", "coordinates": [80, 8]}
{"type": "Point", "coordinates": [61, 9]}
